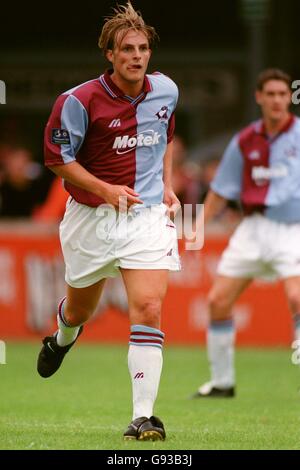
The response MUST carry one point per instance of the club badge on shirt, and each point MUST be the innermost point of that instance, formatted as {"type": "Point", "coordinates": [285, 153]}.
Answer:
{"type": "Point", "coordinates": [60, 136]}
{"type": "Point", "coordinates": [162, 114]}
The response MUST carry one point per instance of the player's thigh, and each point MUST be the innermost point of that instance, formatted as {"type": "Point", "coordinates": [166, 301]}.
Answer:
{"type": "Point", "coordinates": [146, 289]}
{"type": "Point", "coordinates": [84, 301]}
{"type": "Point", "coordinates": [226, 290]}
{"type": "Point", "coordinates": [292, 291]}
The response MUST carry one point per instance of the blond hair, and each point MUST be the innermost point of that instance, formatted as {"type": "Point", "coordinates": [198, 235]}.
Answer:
{"type": "Point", "coordinates": [125, 18]}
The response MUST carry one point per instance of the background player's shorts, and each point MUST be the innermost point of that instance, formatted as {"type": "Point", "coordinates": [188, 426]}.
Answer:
{"type": "Point", "coordinates": [96, 242]}
{"type": "Point", "coordinates": [262, 248]}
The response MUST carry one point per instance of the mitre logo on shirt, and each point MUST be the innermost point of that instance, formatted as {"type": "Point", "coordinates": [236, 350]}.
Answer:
{"type": "Point", "coordinates": [126, 143]}
{"type": "Point", "coordinates": [115, 123]}
{"type": "Point", "coordinates": [254, 155]}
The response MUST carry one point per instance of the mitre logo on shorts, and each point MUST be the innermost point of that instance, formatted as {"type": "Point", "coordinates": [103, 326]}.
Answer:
{"type": "Point", "coordinates": [126, 143]}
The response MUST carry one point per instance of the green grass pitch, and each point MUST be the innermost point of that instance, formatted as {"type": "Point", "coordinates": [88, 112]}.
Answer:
{"type": "Point", "coordinates": [87, 404]}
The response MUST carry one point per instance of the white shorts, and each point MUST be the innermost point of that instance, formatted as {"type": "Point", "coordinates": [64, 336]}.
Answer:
{"type": "Point", "coordinates": [262, 248]}
{"type": "Point", "coordinates": [96, 242]}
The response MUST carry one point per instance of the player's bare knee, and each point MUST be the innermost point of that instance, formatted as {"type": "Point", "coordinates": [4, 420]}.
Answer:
{"type": "Point", "coordinates": [294, 301]}
{"type": "Point", "coordinates": [219, 306]}
{"type": "Point", "coordinates": [149, 312]}
{"type": "Point", "coordinates": [77, 316]}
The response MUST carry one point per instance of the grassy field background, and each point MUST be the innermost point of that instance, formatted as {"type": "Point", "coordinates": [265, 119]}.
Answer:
{"type": "Point", "coordinates": [87, 404]}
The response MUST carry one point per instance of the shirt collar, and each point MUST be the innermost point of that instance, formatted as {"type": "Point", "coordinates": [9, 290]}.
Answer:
{"type": "Point", "coordinates": [114, 90]}
{"type": "Point", "coordinates": [260, 128]}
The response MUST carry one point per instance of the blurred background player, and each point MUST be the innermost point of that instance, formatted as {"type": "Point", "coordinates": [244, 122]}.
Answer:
{"type": "Point", "coordinates": [186, 175]}
{"type": "Point", "coordinates": [24, 183]}
{"type": "Point", "coordinates": [261, 169]}
{"type": "Point", "coordinates": [108, 138]}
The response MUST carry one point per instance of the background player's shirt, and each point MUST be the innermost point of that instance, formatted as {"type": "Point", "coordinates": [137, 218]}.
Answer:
{"type": "Point", "coordinates": [118, 139]}
{"type": "Point", "coordinates": [263, 173]}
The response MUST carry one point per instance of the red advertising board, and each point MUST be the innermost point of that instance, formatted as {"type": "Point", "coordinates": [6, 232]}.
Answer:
{"type": "Point", "coordinates": [32, 283]}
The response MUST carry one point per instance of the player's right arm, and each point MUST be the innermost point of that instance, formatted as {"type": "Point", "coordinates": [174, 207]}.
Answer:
{"type": "Point", "coordinates": [225, 186]}
{"type": "Point", "coordinates": [64, 134]}
{"type": "Point", "coordinates": [213, 205]}
{"type": "Point", "coordinates": [76, 174]}
{"type": "Point", "coordinates": [227, 182]}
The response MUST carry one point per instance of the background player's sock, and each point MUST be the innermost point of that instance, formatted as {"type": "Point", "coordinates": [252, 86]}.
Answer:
{"type": "Point", "coordinates": [66, 334]}
{"type": "Point", "coordinates": [220, 346]}
{"type": "Point", "coordinates": [296, 319]}
{"type": "Point", "coordinates": [145, 365]}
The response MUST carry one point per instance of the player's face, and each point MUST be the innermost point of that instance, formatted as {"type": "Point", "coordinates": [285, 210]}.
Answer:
{"type": "Point", "coordinates": [274, 99]}
{"type": "Point", "coordinates": [130, 57]}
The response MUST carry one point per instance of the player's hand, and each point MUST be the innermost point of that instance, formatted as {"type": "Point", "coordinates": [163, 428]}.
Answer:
{"type": "Point", "coordinates": [172, 202]}
{"type": "Point", "coordinates": [191, 237]}
{"type": "Point", "coordinates": [194, 235]}
{"type": "Point", "coordinates": [121, 197]}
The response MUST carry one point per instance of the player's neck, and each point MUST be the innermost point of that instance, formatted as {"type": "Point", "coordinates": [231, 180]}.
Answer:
{"type": "Point", "coordinates": [132, 89]}
{"type": "Point", "coordinates": [274, 126]}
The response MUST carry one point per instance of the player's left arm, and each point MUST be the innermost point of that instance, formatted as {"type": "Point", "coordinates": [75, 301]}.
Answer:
{"type": "Point", "coordinates": [170, 198]}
